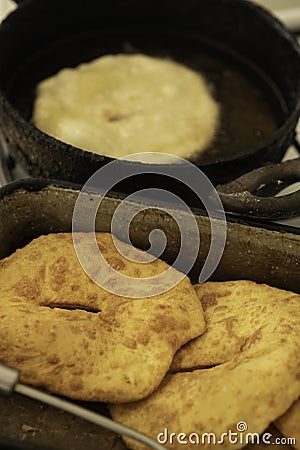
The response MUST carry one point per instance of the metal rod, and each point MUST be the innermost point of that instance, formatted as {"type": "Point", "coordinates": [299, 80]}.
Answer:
{"type": "Point", "coordinates": [86, 414]}
{"type": "Point", "coordinates": [9, 383]}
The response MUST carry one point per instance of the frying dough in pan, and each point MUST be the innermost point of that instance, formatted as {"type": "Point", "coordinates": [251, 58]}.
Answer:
{"type": "Point", "coordinates": [68, 335]}
{"type": "Point", "coordinates": [256, 383]}
{"type": "Point", "coordinates": [120, 104]}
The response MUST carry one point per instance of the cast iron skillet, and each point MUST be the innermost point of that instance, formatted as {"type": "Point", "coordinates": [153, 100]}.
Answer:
{"type": "Point", "coordinates": [42, 37]}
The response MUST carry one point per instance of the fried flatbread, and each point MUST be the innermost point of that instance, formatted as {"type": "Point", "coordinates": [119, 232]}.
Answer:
{"type": "Point", "coordinates": [289, 424]}
{"type": "Point", "coordinates": [120, 104]}
{"type": "Point", "coordinates": [238, 314]}
{"type": "Point", "coordinates": [65, 333]}
{"type": "Point", "coordinates": [257, 383]}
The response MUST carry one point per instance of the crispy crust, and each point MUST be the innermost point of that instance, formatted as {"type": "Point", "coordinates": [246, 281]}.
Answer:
{"type": "Point", "coordinates": [289, 423]}
{"type": "Point", "coordinates": [255, 383]}
{"type": "Point", "coordinates": [239, 315]}
{"type": "Point", "coordinates": [117, 350]}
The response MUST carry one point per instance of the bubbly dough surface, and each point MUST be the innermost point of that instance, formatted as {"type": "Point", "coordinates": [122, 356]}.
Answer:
{"type": "Point", "coordinates": [252, 342]}
{"type": "Point", "coordinates": [117, 105]}
{"type": "Point", "coordinates": [68, 335]}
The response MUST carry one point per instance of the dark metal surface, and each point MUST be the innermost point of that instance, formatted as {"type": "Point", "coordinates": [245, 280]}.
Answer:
{"type": "Point", "coordinates": [240, 28]}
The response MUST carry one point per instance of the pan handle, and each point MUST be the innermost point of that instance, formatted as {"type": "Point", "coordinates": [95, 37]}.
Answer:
{"type": "Point", "coordinates": [241, 195]}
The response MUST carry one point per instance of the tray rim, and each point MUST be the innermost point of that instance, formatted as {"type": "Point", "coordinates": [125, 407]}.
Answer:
{"type": "Point", "coordinates": [38, 184]}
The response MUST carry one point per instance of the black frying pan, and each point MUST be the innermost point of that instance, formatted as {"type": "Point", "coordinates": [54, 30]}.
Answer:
{"type": "Point", "coordinates": [215, 36]}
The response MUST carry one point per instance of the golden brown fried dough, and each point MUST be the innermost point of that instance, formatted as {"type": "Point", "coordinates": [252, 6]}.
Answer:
{"type": "Point", "coordinates": [238, 315]}
{"type": "Point", "coordinates": [117, 350]}
{"type": "Point", "coordinates": [259, 382]}
{"type": "Point", "coordinates": [119, 104]}
{"type": "Point", "coordinates": [289, 423]}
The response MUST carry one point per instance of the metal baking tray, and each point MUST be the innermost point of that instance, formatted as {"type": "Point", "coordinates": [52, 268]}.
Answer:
{"type": "Point", "coordinates": [259, 252]}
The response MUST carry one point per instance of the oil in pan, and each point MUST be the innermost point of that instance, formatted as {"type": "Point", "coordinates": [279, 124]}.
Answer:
{"type": "Point", "coordinates": [252, 108]}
